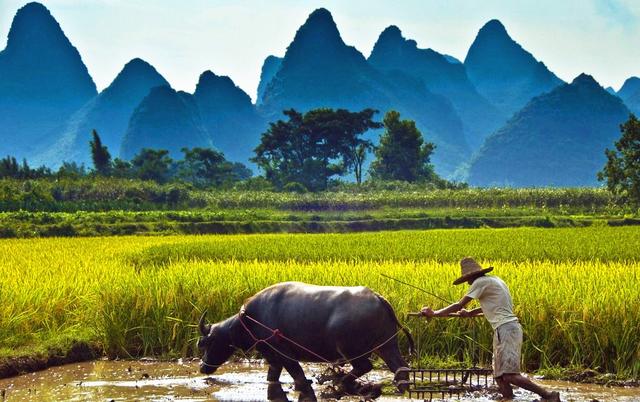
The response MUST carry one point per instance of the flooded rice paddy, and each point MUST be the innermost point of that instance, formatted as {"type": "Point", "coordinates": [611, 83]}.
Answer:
{"type": "Point", "coordinates": [181, 381]}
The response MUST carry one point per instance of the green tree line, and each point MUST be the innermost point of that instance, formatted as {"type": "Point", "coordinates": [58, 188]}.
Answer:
{"type": "Point", "coordinates": [313, 151]}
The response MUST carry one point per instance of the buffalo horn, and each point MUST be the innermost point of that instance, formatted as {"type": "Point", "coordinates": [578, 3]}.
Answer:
{"type": "Point", "coordinates": [202, 326]}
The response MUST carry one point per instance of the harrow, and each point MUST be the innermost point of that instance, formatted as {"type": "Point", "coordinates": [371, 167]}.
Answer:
{"type": "Point", "coordinates": [427, 384]}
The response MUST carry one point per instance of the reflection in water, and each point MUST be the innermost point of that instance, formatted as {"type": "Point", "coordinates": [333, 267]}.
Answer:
{"type": "Point", "coordinates": [181, 381]}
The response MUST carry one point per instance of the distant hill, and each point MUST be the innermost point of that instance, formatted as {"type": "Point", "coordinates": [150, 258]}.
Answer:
{"type": "Point", "coordinates": [630, 94]}
{"type": "Point", "coordinates": [505, 73]}
{"type": "Point", "coordinates": [441, 75]}
{"type": "Point", "coordinates": [42, 82]}
{"type": "Point", "coordinates": [229, 116]}
{"type": "Point", "coordinates": [320, 70]}
{"type": "Point", "coordinates": [270, 67]}
{"type": "Point", "coordinates": [108, 113]}
{"type": "Point", "coordinates": [165, 119]}
{"type": "Point", "coordinates": [558, 139]}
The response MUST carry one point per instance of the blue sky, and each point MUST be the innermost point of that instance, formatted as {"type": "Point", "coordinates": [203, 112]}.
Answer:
{"type": "Point", "coordinates": [183, 38]}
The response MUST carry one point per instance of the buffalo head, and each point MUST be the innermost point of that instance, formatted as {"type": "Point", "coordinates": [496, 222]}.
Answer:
{"type": "Point", "coordinates": [215, 345]}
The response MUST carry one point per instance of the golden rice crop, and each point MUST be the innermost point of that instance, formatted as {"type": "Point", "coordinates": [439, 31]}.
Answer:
{"type": "Point", "coordinates": [576, 290]}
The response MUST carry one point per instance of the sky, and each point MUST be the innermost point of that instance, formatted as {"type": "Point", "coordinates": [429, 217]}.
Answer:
{"type": "Point", "coordinates": [183, 38]}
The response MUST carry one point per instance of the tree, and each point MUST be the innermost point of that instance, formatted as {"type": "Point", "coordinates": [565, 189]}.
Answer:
{"type": "Point", "coordinates": [310, 148]}
{"type": "Point", "coordinates": [152, 164]}
{"type": "Point", "coordinates": [121, 168]}
{"type": "Point", "coordinates": [71, 170]}
{"type": "Point", "coordinates": [402, 153]}
{"type": "Point", "coordinates": [10, 168]}
{"type": "Point", "coordinates": [240, 171]}
{"type": "Point", "coordinates": [360, 155]}
{"type": "Point", "coordinates": [205, 167]}
{"type": "Point", "coordinates": [622, 170]}
{"type": "Point", "coordinates": [100, 155]}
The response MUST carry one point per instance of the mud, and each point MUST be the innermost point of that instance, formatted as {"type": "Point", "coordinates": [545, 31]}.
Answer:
{"type": "Point", "coordinates": [78, 352]}
{"type": "Point", "coordinates": [104, 380]}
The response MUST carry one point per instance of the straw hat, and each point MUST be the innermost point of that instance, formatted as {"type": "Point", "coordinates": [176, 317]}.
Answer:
{"type": "Point", "coordinates": [470, 269]}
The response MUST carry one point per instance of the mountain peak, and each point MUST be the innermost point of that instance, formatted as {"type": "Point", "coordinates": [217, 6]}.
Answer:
{"type": "Point", "coordinates": [134, 81]}
{"type": "Point", "coordinates": [209, 81]}
{"type": "Point", "coordinates": [318, 31]}
{"type": "Point", "coordinates": [320, 21]}
{"type": "Point", "coordinates": [632, 81]}
{"type": "Point", "coordinates": [218, 92]}
{"type": "Point", "coordinates": [42, 81]}
{"type": "Point", "coordinates": [37, 47]}
{"type": "Point", "coordinates": [320, 16]}
{"type": "Point", "coordinates": [318, 49]}
{"type": "Point", "coordinates": [585, 80]}
{"type": "Point", "coordinates": [494, 27]}
{"type": "Point", "coordinates": [269, 69]}
{"type": "Point", "coordinates": [33, 25]}
{"type": "Point", "coordinates": [493, 38]}
{"type": "Point", "coordinates": [505, 73]}
{"type": "Point", "coordinates": [391, 41]}
{"type": "Point", "coordinates": [137, 69]}
{"type": "Point", "coordinates": [137, 63]}
{"type": "Point", "coordinates": [392, 46]}
{"type": "Point", "coordinates": [630, 94]}
{"type": "Point", "coordinates": [391, 33]}
{"type": "Point", "coordinates": [630, 87]}
{"type": "Point", "coordinates": [165, 119]}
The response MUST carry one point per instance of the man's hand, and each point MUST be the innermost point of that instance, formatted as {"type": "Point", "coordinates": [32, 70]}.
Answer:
{"type": "Point", "coordinates": [465, 313]}
{"type": "Point", "coordinates": [427, 312]}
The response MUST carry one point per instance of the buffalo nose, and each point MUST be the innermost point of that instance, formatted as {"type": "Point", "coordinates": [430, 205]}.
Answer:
{"type": "Point", "coordinates": [206, 369]}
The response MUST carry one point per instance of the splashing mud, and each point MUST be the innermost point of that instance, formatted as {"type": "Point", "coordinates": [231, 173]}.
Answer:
{"type": "Point", "coordinates": [181, 381]}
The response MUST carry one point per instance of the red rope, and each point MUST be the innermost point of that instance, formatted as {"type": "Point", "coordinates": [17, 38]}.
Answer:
{"type": "Point", "coordinates": [276, 333]}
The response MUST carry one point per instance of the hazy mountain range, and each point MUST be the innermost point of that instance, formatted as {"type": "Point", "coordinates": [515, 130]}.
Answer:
{"type": "Point", "coordinates": [501, 117]}
{"type": "Point", "coordinates": [557, 139]}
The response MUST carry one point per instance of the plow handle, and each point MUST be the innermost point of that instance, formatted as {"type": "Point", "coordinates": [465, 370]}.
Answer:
{"type": "Point", "coordinates": [419, 314]}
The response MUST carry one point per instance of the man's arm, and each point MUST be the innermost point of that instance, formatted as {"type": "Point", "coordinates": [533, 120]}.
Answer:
{"type": "Point", "coordinates": [476, 312]}
{"type": "Point", "coordinates": [450, 309]}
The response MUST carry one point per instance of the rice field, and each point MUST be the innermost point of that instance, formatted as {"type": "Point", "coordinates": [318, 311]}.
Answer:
{"type": "Point", "coordinates": [576, 290]}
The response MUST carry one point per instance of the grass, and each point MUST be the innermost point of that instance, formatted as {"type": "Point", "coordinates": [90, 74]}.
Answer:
{"type": "Point", "coordinates": [576, 290]}
{"type": "Point", "coordinates": [236, 221]}
{"type": "Point", "coordinates": [96, 206]}
{"type": "Point", "coordinates": [110, 194]}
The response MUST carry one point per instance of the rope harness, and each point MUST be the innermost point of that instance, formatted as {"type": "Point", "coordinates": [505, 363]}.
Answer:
{"type": "Point", "coordinates": [277, 334]}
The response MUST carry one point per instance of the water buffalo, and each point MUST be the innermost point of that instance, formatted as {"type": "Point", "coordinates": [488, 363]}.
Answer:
{"type": "Point", "coordinates": [328, 324]}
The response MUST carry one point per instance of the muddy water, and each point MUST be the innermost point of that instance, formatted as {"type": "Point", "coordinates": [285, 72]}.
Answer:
{"type": "Point", "coordinates": [181, 381]}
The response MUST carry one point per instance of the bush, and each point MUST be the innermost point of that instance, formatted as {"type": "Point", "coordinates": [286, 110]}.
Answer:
{"type": "Point", "coordinates": [294, 187]}
{"type": "Point", "coordinates": [257, 183]}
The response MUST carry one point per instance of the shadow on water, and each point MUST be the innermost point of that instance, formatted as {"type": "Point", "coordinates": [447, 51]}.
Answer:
{"type": "Point", "coordinates": [181, 381]}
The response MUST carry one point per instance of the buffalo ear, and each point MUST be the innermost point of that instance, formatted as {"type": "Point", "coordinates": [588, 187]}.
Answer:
{"type": "Point", "coordinates": [204, 329]}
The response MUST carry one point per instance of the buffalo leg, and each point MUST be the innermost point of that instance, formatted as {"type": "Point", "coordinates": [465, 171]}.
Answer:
{"type": "Point", "coordinates": [301, 383]}
{"type": "Point", "coordinates": [390, 353]}
{"type": "Point", "coordinates": [360, 366]}
{"type": "Point", "coordinates": [274, 390]}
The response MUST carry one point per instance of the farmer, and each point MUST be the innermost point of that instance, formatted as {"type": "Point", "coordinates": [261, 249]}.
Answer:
{"type": "Point", "coordinates": [495, 302]}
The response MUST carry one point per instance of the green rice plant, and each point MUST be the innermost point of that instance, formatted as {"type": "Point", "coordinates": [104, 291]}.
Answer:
{"type": "Point", "coordinates": [576, 291]}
